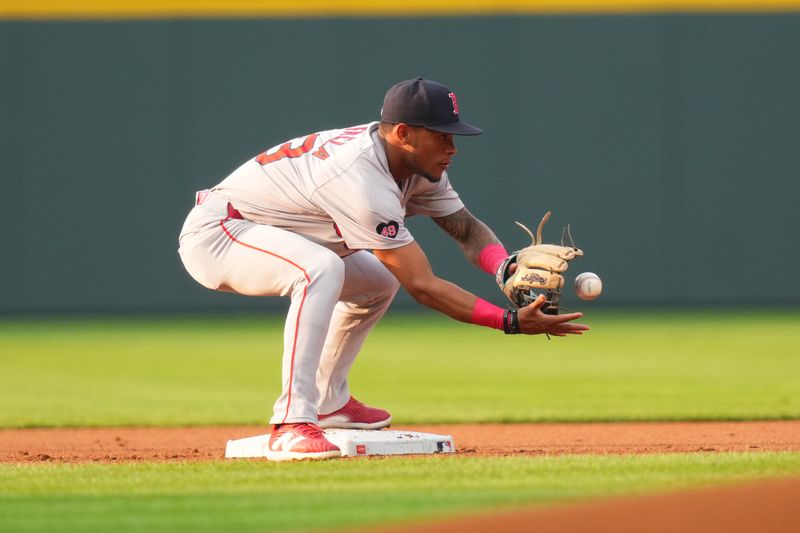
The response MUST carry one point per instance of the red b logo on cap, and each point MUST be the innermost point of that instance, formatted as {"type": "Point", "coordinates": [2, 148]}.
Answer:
{"type": "Point", "coordinates": [455, 103]}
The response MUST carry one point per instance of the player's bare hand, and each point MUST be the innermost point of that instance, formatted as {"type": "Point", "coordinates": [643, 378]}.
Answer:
{"type": "Point", "coordinates": [532, 321]}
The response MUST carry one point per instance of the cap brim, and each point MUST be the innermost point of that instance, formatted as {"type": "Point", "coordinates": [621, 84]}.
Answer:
{"type": "Point", "coordinates": [456, 128]}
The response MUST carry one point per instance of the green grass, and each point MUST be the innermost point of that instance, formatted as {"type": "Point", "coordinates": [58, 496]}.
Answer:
{"type": "Point", "coordinates": [259, 496]}
{"type": "Point", "coordinates": [116, 372]}
{"type": "Point", "coordinates": [425, 369]}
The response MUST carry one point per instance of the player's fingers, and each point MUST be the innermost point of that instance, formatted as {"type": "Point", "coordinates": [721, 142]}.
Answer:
{"type": "Point", "coordinates": [571, 328]}
{"type": "Point", "coordinates": [562, 333]}
{"type": "Point", "coordinates": [567, 317]}
{"type": "Point", "coordinates": [537, 303]}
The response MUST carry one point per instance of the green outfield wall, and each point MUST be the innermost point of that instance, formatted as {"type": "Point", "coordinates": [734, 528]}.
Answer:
{"type": "Point", "coordinates": [671, 143]}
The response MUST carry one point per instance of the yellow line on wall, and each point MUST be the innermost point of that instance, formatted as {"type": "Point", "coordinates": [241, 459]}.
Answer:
{"type": "Point", "coordinates": [149, 9]}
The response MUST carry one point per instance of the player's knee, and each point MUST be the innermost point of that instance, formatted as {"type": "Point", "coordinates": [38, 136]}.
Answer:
{"type": "Point", "coordinates": [379, 288]}
{"type": "Point", "coordinates": [387, 284]}
{"type": "Point", "coordinates": [327, 266]}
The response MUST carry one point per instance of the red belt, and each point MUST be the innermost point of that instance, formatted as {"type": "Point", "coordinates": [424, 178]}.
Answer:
{"type": "Point", "coordinates": [232, 212]}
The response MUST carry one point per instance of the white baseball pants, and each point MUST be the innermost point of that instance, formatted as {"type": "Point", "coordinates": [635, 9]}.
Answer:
{"type": "Point", "coordinates": [335, 301]}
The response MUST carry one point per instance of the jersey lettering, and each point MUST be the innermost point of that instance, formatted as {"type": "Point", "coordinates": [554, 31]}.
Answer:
{"type": "Point", "coordinates": [321, 153]}
{"type": "Point", "coordinates": [286, 150]}
{"type": "Point", "coordinates": [347, 135]}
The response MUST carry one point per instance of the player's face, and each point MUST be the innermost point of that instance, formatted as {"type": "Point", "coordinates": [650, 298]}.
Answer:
{"type": "Point", "coordinates": [431, 154]}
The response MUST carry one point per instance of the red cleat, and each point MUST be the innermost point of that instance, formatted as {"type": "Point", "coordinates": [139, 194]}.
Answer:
{"type": "Point", "coordinates": [291, 442]}
{"type": "Point", "coordinates": [356, 415]}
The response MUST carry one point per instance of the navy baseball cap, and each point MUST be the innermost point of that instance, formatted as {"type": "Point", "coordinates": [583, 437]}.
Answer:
{"type": "Point", "coordinates": [426, 103]}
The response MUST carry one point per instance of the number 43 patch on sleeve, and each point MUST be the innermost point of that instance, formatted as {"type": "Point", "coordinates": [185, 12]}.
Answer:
{"type": "Point", "coordinates": [388, 229]}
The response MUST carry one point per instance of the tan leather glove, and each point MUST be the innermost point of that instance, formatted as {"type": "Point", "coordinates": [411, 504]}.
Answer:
{"type": "Point", "coordinates": [538, 268]}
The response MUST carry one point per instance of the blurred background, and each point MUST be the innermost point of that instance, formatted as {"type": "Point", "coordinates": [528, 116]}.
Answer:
{"type": "Point", "coordinates": [668, 139]}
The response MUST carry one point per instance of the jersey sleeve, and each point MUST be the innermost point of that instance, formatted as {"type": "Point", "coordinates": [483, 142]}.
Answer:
{"type": "Point", "coordinates": [434, 199]}
{"type": "Point", "coordinates": [366, 219]}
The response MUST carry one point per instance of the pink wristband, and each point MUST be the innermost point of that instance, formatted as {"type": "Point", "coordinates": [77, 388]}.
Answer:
{"type": "Point", "coordinates": [491, 256]}
{"type": "Point", "coordinates": [486, 314]}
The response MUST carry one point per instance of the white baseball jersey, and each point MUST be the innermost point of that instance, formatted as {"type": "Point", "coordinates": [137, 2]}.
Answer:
{"type": "Point", "coordinates": [335, 188]}
{"type": "Point", "coordinates": [303, 209]}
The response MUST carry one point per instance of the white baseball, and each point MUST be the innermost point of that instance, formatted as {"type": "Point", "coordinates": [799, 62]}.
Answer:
{"type": "Point", "coordinates": [588, 286]}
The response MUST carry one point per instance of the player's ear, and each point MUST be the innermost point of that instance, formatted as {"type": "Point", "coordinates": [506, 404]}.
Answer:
{"type": "Point", "coordinates": [402, 132]}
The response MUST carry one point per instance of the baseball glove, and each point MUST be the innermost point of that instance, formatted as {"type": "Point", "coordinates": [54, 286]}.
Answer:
{"type": "Point", "coordinates": [538, 268]}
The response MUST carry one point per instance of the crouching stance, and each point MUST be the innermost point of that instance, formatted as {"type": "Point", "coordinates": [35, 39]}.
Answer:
{"type": "Point", "coordinates": [321, 219]}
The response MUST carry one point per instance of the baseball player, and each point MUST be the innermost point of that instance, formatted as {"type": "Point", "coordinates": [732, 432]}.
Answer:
{"type": "Point", "coordinates": [321, 219]}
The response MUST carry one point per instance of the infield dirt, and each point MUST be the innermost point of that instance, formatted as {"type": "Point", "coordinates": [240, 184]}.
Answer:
{"type": "Point", "coordinates": [208, 443]}
{"type": "Point", "coordinates": [764, 507]}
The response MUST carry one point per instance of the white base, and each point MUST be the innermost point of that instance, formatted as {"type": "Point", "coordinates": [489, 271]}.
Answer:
{"type": "Point", "coordinates": [356, 442]}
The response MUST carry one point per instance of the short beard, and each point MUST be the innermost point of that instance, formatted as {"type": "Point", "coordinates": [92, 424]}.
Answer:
{"type": "Point", "coordinates": [430, 178]}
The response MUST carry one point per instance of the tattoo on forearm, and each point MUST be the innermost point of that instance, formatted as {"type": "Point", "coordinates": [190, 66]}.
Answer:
{"type": "Point", "coordinates": [471, 234]}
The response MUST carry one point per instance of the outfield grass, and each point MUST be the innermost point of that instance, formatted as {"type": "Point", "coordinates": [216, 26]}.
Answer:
{"type": "Point", "coordinates": [424, 368]}
{"type": "Point", "coordinates": [247, 496]}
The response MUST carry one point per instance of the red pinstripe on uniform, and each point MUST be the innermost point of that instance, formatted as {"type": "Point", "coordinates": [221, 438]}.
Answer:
{"type": "Point", "coordinates": [299, 310]}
